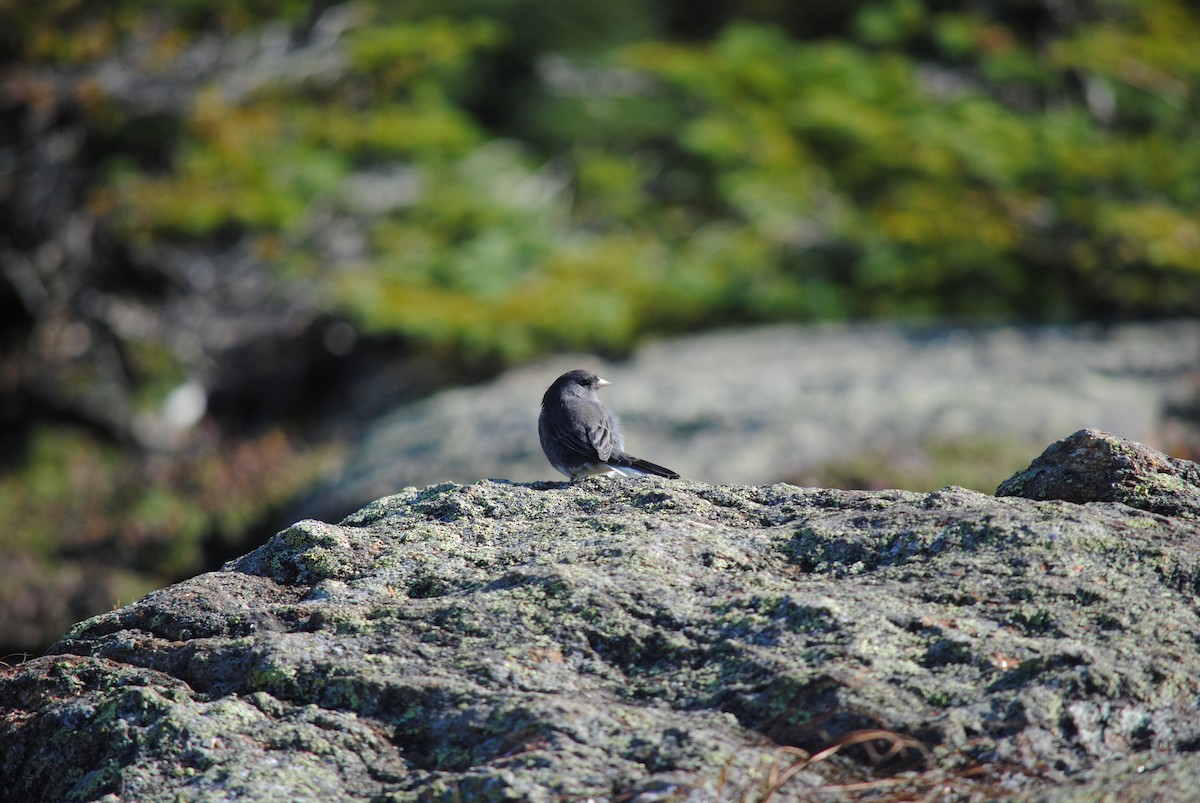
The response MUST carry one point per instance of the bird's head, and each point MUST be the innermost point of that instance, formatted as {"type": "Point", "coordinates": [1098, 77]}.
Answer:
{"type": "Point", "coordinates": [579, 382]}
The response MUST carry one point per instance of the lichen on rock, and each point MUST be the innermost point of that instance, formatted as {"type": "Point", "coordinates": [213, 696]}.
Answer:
{"type": "Point", "coordinates": [650, 640]}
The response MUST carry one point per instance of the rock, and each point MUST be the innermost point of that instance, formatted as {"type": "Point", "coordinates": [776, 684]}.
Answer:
{"type": "Point", "coordinates": [644, 640]}
{"type": "Point", "coordinates": [1094, 466]}
{"type": "Point", "coordinates": [778, 402]}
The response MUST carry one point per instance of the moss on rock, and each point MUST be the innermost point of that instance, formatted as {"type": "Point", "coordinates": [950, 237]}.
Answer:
{"type": "Point", "coordinates": [638, 640]}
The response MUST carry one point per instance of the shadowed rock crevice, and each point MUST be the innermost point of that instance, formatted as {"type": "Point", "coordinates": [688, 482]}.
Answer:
{"type": "Point", "coordinates": [611, 639]}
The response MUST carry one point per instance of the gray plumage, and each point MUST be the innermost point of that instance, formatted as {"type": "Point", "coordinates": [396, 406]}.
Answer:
{"type": "Point", "coordinates": [581, 436]}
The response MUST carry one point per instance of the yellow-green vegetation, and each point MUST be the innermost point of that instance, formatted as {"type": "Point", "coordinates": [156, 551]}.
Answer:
{"type": "Point", "coordinates": [921, 163]}
{"type": "Point", "coordinates": [89, 510]}
{"type": "Point", "coordinates": [979, 464]}
{"type": "Point", "coordinates": [69, 480]}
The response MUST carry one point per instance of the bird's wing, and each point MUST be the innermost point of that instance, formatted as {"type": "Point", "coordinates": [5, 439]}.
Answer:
{"type": "Point", "coordinates": [589, 432]}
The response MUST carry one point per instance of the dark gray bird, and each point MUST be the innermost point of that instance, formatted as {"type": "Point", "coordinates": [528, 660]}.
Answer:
{"type": "Point", "coordinates": [581, 436]}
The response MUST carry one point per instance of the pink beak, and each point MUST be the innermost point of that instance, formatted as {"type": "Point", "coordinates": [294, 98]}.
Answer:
{"type": "Point", "coordinates": [602, 383]}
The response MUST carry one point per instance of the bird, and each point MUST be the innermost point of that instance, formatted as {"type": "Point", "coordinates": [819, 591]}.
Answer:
{"type": "Point", "coordinates": [582, 437]}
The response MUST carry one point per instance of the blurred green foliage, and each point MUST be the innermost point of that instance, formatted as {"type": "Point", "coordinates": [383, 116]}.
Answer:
{"type": "Point", "coordinates": [89, 527]}
{"type": "Point", "coordinates": [980, 464]}
{"type": "Point", "coordinates": [71, 489]}
{"type": "Point", "coordinates": [68, 33]}
{"type": "Point", "coordinates": [922, 163]}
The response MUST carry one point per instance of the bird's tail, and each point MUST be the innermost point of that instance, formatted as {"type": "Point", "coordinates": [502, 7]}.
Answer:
{"type": "Point", "coordinates": [635, 466]}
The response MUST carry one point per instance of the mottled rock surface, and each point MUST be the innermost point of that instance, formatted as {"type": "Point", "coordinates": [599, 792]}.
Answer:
{"type": "Point", "coordinates": [646, 640]}
{"type": "Point", "coordinates": [1094, 466]}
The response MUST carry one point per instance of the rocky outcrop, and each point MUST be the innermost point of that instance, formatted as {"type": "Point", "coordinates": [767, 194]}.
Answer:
{"type": "Point", "coordinates": [1092, 466]}
{"type": "Point", "coordinates": [649, 640]}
